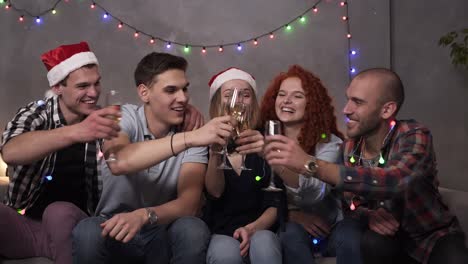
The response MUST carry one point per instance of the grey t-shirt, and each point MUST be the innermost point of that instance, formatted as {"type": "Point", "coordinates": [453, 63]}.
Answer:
{"type": "Point", "coordinates": [150, 187]}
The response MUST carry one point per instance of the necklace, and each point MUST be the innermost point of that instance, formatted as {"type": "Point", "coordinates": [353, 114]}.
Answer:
{"type": "Point", "coordinates": [372, 162]}
{"type": "Point", "coordinates": [361, 145]}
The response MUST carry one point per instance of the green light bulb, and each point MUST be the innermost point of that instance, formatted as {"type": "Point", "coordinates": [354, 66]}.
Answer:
{"type": "Point", "coordinates": [352, 159]}
{"type": "Point", "coordinates": [302, 19]}
{"type": "Point", "coordinates": [258, 178]}
{"type": "Point", "coordinates": [381, 160]}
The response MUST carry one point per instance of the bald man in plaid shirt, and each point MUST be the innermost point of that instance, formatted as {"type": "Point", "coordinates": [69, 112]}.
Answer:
{"type": "Point", "coordinates": [390, 166]}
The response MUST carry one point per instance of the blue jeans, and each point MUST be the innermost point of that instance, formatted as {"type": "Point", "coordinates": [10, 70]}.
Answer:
{"type": "Point", "coordinates": [343, 242]}
{"type": "Point", "coordinates": [186, 237]}
{"type": "Point", "coordinates": [265, 247]}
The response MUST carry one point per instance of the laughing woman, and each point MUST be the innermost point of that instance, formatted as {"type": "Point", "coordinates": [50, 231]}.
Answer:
{"type": "Point", "coordinates": [300, 101]}
{"type": "Point", "coordinates": [240, 214]}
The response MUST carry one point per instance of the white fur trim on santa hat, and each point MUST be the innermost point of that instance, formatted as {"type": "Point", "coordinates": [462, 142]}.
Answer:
{"type": "Point", "coordinates": [232, 74]}
{"type": "Point", "coordinates": [49, 93]}
{"type": "Point", "coordinates": [61, 70]}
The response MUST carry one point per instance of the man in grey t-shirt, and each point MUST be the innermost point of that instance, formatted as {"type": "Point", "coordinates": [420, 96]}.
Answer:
{"type": "Point", "coordinates": [153, 189]}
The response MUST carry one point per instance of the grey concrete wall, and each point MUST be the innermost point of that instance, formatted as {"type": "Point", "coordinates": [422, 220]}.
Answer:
{"type": "Point", "coordinates": [435, 90]}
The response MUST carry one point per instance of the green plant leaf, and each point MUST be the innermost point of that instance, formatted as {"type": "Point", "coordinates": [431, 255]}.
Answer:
{"type": "Point", "coordinates": [458, 43]}
{"type": "Point", "coordinates": [446, 40]}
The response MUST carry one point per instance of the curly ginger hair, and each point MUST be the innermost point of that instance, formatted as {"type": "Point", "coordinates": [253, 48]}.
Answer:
{"type": "Point", "coordinates": [319, 114]}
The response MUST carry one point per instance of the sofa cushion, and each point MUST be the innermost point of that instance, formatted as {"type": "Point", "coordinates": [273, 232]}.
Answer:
{"type": "Point", "coordinates": [27, 261]}
{"type": "Point", "coordinates": [3, 187]}
{"type": "Point", "coordinates": [457, 201]}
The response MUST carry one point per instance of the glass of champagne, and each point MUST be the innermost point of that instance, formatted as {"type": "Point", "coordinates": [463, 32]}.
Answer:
{"type": "Point", "coordinates": [272, 127]}
{"type": "Point", "coordinates": [243, 123]}
{"type": "Point", "coordinates": [114, 100]}
{"type": "Point", "coordinates": [229, 109]}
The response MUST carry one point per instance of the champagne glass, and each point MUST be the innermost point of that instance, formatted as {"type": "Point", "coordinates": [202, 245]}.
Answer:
{"type": "Point", "coordinates": [243, 123]}
{"type": "Point", "coordinates": [114, 100]}
{"type": "Point", "coordinates": [272, 127]}
{"type": "Point", "coordinates": [229, 109]}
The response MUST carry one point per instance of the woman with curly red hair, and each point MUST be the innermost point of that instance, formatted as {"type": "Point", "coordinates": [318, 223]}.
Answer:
{"type": "Point", "coordinates": [301, 102]}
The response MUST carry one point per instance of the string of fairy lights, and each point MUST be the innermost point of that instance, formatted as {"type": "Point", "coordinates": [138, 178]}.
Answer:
{"type": "Point", "coordinates": [240, 45]}
{"type": "Point", "coordinates": [38, 18]}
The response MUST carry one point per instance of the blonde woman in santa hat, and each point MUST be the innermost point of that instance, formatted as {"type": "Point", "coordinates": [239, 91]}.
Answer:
{"type": "Point", "coordinates": [239, 213]}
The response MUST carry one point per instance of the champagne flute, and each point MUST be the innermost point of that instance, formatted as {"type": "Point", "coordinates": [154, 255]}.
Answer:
{"type": "Point", "coordinates": [272, 127]}
{"type": "Point", "coordinates": [114, 100]}
{"type": "Point", "coordinates": [243, 123]}
{"type": "Point", "coordinates": [229, 109]}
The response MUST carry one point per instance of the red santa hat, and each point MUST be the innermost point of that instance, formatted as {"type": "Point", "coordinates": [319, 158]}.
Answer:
{"type": "Point", "coordinates": [63, 60]}
{"type": "Point", "coordinates": [230, 74]}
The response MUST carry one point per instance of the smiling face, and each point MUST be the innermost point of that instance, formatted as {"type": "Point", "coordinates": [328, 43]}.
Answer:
{"type": "Point", "coordinates": [79, 94]}
{"type": "Point", "coordinates": [291, 102]}
{"type": "Point", "coordinates": [166, 98]}
{"type": "Point", "coordinates": [246, 91]}
{"type": "Point", "coordinates": [363, 107]}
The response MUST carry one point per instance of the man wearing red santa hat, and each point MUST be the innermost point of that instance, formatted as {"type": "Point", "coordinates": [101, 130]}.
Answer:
{"type": "Point", "coordinates": [51, 148]}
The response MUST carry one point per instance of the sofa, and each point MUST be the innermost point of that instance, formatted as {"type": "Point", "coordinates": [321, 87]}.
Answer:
{"type": "Point", "coordinates": [457, 201]}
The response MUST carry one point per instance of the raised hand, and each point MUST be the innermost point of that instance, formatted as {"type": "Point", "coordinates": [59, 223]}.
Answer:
{"type": "Point", "coordinates": [281, 150]}
{"type": "Point", "coordinates": [250, 141]}
{"type": "Point", "coordinates": [193, 119]}
{"type": "Point", "coordinates": [217, 131]}
{"type": "Point", "coordinates": [98, 125]}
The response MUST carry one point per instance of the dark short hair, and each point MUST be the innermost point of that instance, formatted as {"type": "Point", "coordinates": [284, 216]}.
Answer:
{"type": "Point", "coordinates": [156, 63]}
{"type": "Point", "coordinates": [88, 66]}
{"type": "Point", "coordinates": [391, 82]}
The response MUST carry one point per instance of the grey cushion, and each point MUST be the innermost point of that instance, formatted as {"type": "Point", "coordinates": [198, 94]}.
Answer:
{"type": "Point", "coordinates": [27, 261]}
{"type": "Point", "coordinates": [457, 201]}
{"type": "Point", "coordinates": [325, 261]}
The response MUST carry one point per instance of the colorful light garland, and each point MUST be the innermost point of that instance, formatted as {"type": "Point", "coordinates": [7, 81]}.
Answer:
{"type": "Point", "coordinates": [187, 47]}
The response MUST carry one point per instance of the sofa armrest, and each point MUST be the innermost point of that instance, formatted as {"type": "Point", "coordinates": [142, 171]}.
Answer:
{"type": "Point", "coordinates": [3, 187]}
{"type": "Point", "coordinates": [457, 201]}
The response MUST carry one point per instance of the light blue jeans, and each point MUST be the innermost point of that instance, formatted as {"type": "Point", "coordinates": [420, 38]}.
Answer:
{"type": "Point", "coordinates": [184, 241]}
{"type": "Point", "coordinates": [343, 242]}
{"type": "Point", "coordinates": [265, 247]}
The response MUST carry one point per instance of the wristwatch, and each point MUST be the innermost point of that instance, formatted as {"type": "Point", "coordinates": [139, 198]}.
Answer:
{"type": "Point", "coordinates": [311, 166]}
{"type": "Point", "coordinates": [152, 217]}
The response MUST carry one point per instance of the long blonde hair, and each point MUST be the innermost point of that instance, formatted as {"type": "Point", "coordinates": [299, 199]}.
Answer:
{"type": "Point", "coordinates": [216, 108]}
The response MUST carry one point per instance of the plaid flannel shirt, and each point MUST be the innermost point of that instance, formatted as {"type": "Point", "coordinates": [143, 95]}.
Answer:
{"type": "Point", "coordinates": [26, 181]}
{"type": "Point", "coordinates": [409, 178]}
